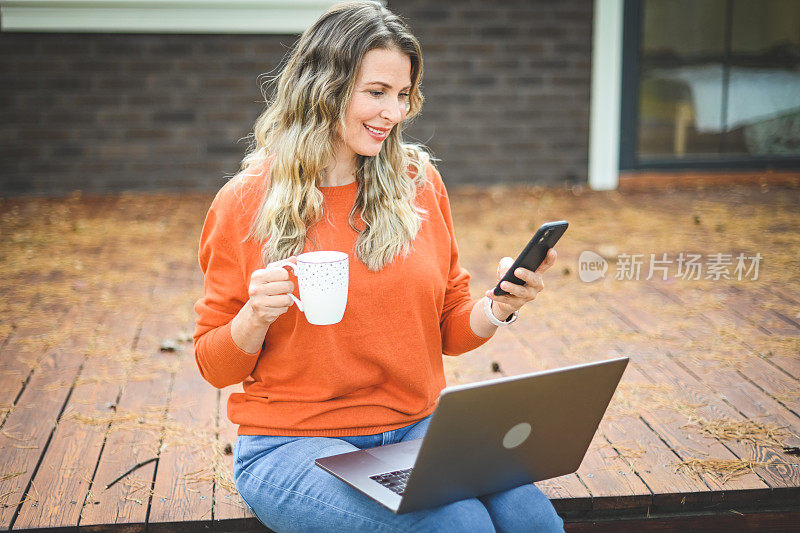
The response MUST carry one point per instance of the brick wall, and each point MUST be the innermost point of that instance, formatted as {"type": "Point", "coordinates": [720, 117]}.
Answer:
{"type": "Point", "coordinates": [507, 90]}
{"type": "Point", "coordinates": [506, 86]}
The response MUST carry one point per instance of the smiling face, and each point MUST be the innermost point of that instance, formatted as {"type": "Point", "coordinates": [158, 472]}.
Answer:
{"type": "Point", "coordinates": [379, 102]}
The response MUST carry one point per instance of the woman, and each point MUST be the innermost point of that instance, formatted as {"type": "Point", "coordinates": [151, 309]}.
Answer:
{"type": "Point", "coordinates": [329, 171]}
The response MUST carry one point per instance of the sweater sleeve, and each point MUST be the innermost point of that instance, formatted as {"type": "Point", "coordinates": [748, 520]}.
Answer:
{"type": "Point", "coordinates": [457, 334]}
{"type": "Point", "coordinates": [220, 360]}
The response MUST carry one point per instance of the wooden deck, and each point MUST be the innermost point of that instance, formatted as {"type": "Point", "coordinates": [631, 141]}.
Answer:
{"type": "Point", "coordinates": [97, 375]}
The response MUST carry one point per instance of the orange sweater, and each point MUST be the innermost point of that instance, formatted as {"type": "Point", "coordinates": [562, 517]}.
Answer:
{"type": "Point", "coordinates": [378, 369]}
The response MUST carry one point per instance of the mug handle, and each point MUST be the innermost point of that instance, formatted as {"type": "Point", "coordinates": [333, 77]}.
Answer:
{"type": "Point", "coordinates": [287, 263]}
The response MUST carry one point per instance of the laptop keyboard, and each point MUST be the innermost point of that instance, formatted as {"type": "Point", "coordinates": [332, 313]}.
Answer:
{"type": "Point", "coordinates": [394, 481]}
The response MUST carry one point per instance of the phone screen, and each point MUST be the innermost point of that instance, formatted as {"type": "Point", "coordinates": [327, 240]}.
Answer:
{"type": "Point", "coordinates": [534, 252]}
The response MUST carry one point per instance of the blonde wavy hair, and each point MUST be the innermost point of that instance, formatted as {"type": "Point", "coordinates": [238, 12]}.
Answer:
{"type": "Point", "coordinates": [298, 130]}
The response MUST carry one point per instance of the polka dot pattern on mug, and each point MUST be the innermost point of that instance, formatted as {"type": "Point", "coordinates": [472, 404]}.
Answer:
{"type": "Point", "coordinates": [320, 276]}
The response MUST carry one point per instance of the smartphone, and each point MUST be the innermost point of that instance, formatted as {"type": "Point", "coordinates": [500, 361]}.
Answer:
{"type": "Point", "coordinates": [534, 253]}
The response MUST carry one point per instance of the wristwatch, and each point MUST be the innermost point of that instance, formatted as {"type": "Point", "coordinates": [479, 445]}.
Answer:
{"type": "Point", "coordinates": [487, 307]}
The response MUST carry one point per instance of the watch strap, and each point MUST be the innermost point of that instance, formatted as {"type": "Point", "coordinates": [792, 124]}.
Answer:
{"type": "Point", "coordinates": [487, 307]}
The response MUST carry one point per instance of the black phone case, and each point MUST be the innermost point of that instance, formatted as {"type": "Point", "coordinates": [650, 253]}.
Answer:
{"type": "Point", "coordinates": [534, 253]}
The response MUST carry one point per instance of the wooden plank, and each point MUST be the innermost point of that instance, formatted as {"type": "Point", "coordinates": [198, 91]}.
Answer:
{"type": "Point", "coordinates": [505, 354]}
{"type": "Point", "coordinates": [473, 367]}
{"type": "Point", "coordinates": [543, 351]}
{"type": "Point", "coordinates": [230, 511]}
{"type": "Point", "coordinates": [29, 427]}
{"type": "Point", "coordinates": [762, 308]}
{"type": "Point", "coordinates": [69, 462]}
{"type": "Point", "coordinates": [723, 395]}
{"type": "Point", "coordinates": [522, 356]}
{"type": "Point", "coordinates": [567, 493]}
{"type": "Point", "coordinates": [654, 462]}
{"type": "Point", "coordinates": [512, 360]}
{"type": "Point", "coordinates": [184, 485]}
{"type": "Point", "coordinates": [42, 353]}
{"type": "Point", "coordinates": [788, 294]}
{"type": "Point", "coordinates": [783, 358]}
{"type": "Point", "coordinates": [608, 477]}
{"type": "Point", "coordinates": [138, 427]}
{"type": "Point", "coordinates": [604, 473]}
{"type": "Point", "coordinates": [728, 521]}
{"type": "Point", "coordinates": [5, 334]}
{"type": "Point", "coordinates": [773, 381]}
{"type": "Point", "coordinates": [22, 354]}
{"type": "Point", "coordinates": [514, 356]}
{"type": "Point", "coordinates": [670, 426]}
{"type": "Point", "coordinates": [716, 409]}
{"type": "Point", "coordinates": [135, 433]}
{"type": "Point", "coordinates": [758, 330]}
{"type": "Point", "coordinates": [728, 379]}
{"type": "Point", "coordinates": [660, 419]}
{"type": "Point", "coordinates": [32, 319]}
{"type": "Point", "coordinates": [782, 471]}
{"type": "Point", "coordinates": [649, 181]}
{"type": "Point", "coordinates": [595, 348]}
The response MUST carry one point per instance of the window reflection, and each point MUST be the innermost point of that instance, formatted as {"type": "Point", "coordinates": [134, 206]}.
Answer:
{"type": "Point", "coordinates": [765, 81]}
{"type": "Point", "coordinates": [719, 78]}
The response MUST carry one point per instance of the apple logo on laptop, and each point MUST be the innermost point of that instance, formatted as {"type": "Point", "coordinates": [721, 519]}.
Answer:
{"type": "Point", "coordinates": [517, 435]}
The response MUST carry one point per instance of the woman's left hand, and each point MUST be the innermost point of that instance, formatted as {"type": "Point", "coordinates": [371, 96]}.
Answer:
{"type": "Point", "coordinates": [519, 295]}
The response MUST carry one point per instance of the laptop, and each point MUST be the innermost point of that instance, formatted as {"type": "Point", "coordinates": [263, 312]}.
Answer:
{"type": "Point", "coordinates": [487, 437]}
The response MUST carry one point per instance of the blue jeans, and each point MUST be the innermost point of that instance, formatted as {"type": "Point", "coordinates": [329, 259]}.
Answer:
{"type": "Point", "coordinates": [277, 478]}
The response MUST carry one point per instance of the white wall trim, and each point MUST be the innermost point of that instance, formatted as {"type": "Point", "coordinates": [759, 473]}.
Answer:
{"type": "Point", "coordinates": [604, 127]}
{"type": "Point", "coordinates": [161, 16]}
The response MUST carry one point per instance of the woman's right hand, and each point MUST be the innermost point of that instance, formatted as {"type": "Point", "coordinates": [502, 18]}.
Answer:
{"type": "Point", "coordinates": [269, 298]}
{"type": "Point", "coordinates": [269, 294]}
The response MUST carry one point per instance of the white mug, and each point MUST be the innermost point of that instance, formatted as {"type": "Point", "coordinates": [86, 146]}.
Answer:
{"type": "Point", "coordinates": [323, 280]}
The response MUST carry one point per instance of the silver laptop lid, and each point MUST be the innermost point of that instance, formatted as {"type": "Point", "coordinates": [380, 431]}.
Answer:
{"type": "Point", "coordinates": [498, 434]}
